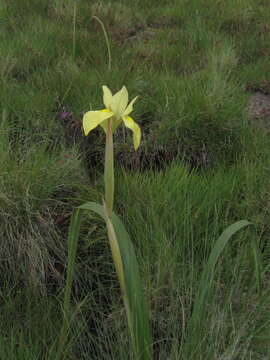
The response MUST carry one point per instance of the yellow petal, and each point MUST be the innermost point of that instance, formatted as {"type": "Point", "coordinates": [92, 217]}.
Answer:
{"type": "Point", "coordinates": [119, 102]}
{"type": "Point", "coordinates": [104, 124]}
{"type": "Point", "coordinates": [130, 107]}
{"type": "Point", "coordinates": [130, 123]}
{"type": "Point", "coordinates": [94, 118]}
{"type": "Point", "coordinates": [107, 96]}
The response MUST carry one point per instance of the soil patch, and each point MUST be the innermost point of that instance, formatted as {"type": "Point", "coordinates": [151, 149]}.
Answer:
{"type": "Point", "coordinates": [259, 110]}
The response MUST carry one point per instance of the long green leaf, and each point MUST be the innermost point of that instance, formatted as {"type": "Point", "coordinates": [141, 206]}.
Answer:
{"type": "Point", "coordinates": [195, 325]}
{"type": "Point", "coordinates": [257, 262]}
{"type": "Point", "coordinates": [138, 316]}
{"type": "Point", "coordinates": [73, 236]}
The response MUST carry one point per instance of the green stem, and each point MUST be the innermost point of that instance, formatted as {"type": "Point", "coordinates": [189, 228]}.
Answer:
{"type": "Point", "coordinates": [74, 32]}
{"type": "Point", "coordinates": [109, 170]}
{"type": "Point", "coordinates": [107, 42]}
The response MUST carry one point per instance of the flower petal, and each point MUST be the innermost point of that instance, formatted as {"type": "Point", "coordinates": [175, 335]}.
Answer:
{"type": "Point", "coordinates": [107, 96]}
{"type": "Point", "coordinates": [130, 107]}
{"type": "Point", "coordinates": [130, 123]}
{"type": "Point", "coordinates": [104, 124]}
{"type": "Point", "coordinates": [94, 118]}
{"type": "Point", "coordinates": [119, 102]}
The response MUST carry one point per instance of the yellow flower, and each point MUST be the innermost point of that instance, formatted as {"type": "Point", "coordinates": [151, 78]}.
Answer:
{"type": "Point", "coordinates": [116, 107]}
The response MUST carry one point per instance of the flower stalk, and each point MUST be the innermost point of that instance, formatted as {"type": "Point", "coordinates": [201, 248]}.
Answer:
{"type": "Point", "coordinates": [109, 170]}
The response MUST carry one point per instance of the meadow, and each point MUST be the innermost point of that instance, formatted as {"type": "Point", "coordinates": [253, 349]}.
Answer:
{"type": "Point", "coordinates": [202, 165]}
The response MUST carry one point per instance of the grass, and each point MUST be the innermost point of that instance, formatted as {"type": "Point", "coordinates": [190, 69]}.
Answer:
{"type": "Point", "coordinates": [200, 168]}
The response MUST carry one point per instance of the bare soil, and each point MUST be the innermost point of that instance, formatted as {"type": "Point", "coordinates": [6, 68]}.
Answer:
{"type": "Point", "coordinates": [259, 110]}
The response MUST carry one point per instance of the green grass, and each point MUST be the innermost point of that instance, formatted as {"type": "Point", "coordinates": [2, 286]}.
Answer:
{"type": "Point", "coordinates": [200, 168]}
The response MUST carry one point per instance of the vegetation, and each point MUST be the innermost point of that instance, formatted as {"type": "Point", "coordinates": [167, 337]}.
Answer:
{"type": "Point", "coordinates": [202, 165]}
